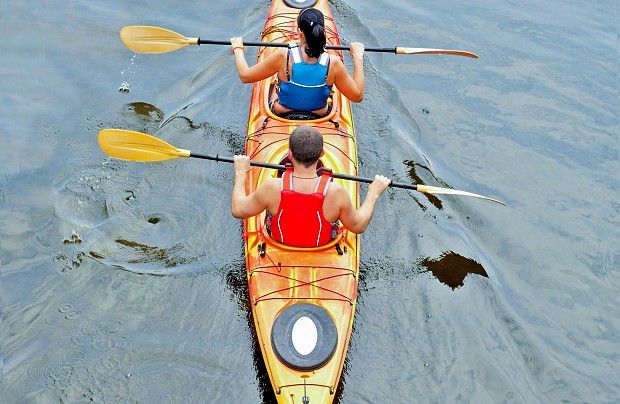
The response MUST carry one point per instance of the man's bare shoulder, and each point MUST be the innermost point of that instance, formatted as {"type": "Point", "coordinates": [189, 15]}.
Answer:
{"type": "Point", "coordinates": [337, 192]}
{"type": "Point", "coordinates": [271, 185]}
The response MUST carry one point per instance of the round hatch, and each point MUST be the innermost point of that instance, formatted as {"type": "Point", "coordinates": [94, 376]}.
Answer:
{"type": "Point", "coordinates": [300, 3]}
{"type": "Point", "coordinates": [304, 336]}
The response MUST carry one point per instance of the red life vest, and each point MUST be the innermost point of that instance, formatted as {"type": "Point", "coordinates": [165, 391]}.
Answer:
{"type": "Point", "coordinates": [299, 221]}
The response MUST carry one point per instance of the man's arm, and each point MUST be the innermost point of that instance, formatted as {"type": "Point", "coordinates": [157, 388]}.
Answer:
{"type": "Point", "coordinates": [243, 206]}
{"type": "Point", "coordinates": [356, 220]}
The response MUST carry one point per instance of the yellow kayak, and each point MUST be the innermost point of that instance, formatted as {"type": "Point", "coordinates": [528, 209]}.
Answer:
{"type": "Point", "coordinates": [303, 299]}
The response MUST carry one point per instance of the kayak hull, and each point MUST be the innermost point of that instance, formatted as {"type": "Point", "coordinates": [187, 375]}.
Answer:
{"type": "Point", "coordinates": [280, 276]}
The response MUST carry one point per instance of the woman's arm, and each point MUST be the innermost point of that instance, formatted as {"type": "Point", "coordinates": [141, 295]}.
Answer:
{"type": "Point", "coordinates": [265, 68]}
{"type": "Point", "coordinates": [351, 87]}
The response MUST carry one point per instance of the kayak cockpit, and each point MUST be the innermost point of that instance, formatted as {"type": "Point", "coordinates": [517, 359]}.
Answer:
{"type": "Point", "coordinates": [270, 93]}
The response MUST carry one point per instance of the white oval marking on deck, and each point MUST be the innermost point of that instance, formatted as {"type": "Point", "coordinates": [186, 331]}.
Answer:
{"type": "Point", "coordinates": [305, 335]}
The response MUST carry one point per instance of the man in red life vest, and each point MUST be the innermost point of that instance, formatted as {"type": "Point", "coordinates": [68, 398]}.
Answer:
{"type": "Point", "coordinates": [302, 205]}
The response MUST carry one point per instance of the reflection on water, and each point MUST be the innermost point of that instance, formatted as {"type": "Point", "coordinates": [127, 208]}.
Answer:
{"type": "Point", "coordinates": [451, 268]}
{"type": "Point", "coordinates": [238, 285]}
{"type": "Point", "coordinates": [413, 174]}
{"type": "Point", "coordinates": [146, 111]}
{"type": "Point", "coordinates": [145, 253]}
{"type": "Point", "coordinates": [144, 117]}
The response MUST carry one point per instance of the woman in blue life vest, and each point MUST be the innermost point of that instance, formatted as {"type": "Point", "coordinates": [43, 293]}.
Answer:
{"type": "Point", "coordinates": [305, 71]}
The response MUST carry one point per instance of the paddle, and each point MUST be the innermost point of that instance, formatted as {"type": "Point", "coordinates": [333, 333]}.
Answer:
{"type": "Point", "coordinates": [146, 39]}
{"type": "Point", "coordinates": [136, 146]}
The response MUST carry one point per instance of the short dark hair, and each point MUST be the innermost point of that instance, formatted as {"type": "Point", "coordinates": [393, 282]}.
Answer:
{"type": "Point", "coordinates": [306, 145]}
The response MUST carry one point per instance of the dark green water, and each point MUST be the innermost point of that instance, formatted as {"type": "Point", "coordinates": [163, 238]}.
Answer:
{"type": "Point", "coordinates": [125, 282]}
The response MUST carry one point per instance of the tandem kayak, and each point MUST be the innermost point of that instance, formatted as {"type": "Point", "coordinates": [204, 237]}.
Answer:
{"type": "Point", "coordinates": [302, 299]}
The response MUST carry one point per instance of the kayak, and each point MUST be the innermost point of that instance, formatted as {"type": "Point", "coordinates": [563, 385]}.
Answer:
{"type": "Point", "coordinates": [302, 299]}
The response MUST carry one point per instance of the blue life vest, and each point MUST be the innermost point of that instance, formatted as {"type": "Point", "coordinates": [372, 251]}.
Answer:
{"type": "Point", "coordinates": [306, 89]}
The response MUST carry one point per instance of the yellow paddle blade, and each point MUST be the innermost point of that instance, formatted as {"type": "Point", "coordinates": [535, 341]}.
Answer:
{"type": "Point", "coordinates": [135, 146]}
{"type": "Point", "coordinates": [436, 190]}
{"type": "Point", "coordinates": [430, 51]}
{"type": "Point", "coordinates": [146, 39]}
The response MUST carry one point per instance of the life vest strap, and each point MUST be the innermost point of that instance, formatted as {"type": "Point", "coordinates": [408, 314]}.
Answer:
{"type": "Point", "coordinates": [294, 51]}
{"type": "Point", "coordinates": [327, 176]}
{"type": "Point", "coordinates": [287, 178]}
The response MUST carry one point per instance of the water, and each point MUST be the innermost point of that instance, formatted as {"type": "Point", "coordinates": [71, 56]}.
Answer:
{"type": "Point", "coordinates": [125, 282]}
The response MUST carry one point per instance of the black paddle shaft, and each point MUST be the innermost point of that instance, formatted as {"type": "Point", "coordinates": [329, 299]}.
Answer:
{"type": "Point", "coordinates": [281, 167]}
{"type": "Point", "coordinates": [285, 45]}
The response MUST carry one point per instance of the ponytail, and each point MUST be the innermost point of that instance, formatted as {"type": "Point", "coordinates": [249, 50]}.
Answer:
{"type": "Point", "coordinates": [312, 23]}
{"type": "Point", "coordinates": [315, 41]}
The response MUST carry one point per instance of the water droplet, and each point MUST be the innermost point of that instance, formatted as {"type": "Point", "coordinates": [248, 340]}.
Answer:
{"type": "Point", "coordinates": [73, 239]}
{"type": "Point", "coordinates": [124, 87]}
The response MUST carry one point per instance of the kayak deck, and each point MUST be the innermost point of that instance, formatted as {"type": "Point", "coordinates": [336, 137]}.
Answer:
{"type": "Point", "coordinates": [280, 276]}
